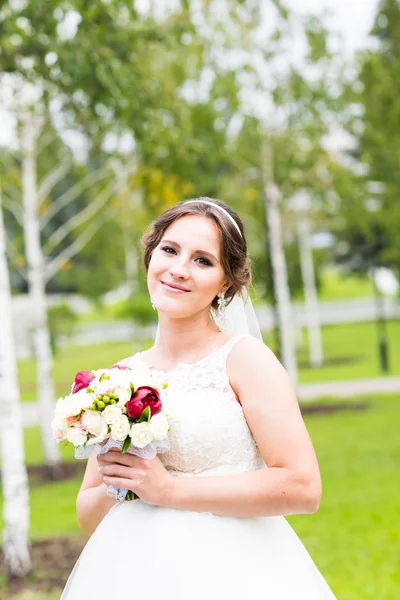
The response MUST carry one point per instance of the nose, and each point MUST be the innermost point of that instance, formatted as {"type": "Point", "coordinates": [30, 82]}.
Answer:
{"type": "Point", "coordinates": [179, 270]}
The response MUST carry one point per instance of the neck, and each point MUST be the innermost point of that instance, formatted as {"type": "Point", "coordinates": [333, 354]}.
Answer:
{"type": "Point", "coordinates": [182, 337]}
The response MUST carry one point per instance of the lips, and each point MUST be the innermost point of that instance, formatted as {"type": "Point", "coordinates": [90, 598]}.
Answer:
{"type": "Point", "coordinates": [175, 286]}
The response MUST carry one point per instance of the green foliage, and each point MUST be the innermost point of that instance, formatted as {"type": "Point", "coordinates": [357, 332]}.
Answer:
{"type": "Point", "coordinates": [62, 320]}
{"type": "Point", "coordinates": [376, 128]}
{"type": "Point", "coordinates": [107, 69]}
{"type": "Point", "coordinates": [139, 309]}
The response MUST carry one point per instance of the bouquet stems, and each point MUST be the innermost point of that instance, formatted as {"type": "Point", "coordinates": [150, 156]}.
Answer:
{"type": "Point", "coordinates": [131, 495]}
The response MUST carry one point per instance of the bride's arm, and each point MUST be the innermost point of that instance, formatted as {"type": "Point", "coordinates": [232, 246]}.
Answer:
{"type": "Point", "coordinates": [92, 503]}
{"type": "Point", "coordinates": [292, 483]}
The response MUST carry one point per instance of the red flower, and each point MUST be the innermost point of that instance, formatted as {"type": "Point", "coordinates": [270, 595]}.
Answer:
{"type": "Point", "coordinates": [143, 397]}
{"type": "Point", "coordinates": [82, 380]}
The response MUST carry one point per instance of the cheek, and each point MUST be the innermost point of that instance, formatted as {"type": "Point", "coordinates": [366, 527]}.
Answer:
{"type": "Point", "coordinates": [211, 281]}
{"type": "Point", "coordinates": [156, 265]}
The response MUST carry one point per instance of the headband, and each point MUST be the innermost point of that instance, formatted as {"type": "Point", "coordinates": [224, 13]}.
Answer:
{"type": "Point", "coordinates": [219, 208]}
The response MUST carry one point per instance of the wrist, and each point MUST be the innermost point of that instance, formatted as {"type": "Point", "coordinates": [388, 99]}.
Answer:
{"type": "Point", "coordinates": [170, 492]}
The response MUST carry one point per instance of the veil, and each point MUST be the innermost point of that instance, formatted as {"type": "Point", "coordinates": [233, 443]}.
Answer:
{"type": "Point", "coordinates": [239, 318]}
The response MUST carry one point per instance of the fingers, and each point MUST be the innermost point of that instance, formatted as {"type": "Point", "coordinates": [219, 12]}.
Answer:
{"type": "Point", "coordinates": [115, 470]}
{"type": "Point", "coordinates": [118, 482]}
{"type": "Point", "coordinates": [115, 456]}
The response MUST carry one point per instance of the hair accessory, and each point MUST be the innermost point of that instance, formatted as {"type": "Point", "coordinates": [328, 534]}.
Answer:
{"type": "Point", "coordinates": [219, 208]}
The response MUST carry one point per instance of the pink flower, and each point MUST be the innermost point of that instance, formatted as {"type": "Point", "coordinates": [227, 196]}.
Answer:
{"type": "Point", "coordinates": [143, 397]}
{"type": "Point", "coordinates": [121, 367]}
{"type": "Point", "coordinates": [59, 435]}
{"type": "Point", "coordinates": [77, 423]}
{"type": "Point", "coordinates": [82, 380]}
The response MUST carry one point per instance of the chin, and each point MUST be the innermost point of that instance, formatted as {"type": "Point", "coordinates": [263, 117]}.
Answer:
{"type": "Point", "coordinates": [168, 305]}
{"type": "Point", "coordinates": [174, 308]}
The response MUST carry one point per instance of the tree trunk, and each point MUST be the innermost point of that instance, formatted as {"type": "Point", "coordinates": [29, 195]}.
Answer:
{"type": "Point", "coordinates": [14, 475]}
{"type": "Point", "coordinates": [284, 309]}
{"type": "Point", "coordinates": [310, 292]}
{"type": "Point", "coordinates": [37, 292]}
{"type": "Point", "coordinates": [131, 263]}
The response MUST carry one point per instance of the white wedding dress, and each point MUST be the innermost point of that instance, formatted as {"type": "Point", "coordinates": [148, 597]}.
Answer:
{"type": "Point", "coordinates": [145, 552]}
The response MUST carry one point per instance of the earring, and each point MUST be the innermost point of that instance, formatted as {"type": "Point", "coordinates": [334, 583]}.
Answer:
{"type": "Point", "coordinates": [222, 304]}
{"type": "Point", "coordinates": [152, 305]}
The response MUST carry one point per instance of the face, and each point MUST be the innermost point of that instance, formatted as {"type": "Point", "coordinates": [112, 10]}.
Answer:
{"type": "Point", "coordinates": [185, 273]}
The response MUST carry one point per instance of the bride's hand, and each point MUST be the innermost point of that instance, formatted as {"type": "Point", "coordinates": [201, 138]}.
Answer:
{"type": "Point", "coordinates": [148, 478]}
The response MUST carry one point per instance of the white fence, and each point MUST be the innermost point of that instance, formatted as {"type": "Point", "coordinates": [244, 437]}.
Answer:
{"type": "Point", "coordinates": [341, 311]}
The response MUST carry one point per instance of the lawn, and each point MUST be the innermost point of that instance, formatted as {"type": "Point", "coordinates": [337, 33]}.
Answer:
{"type": "Point", "coordinates": [68, 361]}
{"type": "Point", "coordinates": [350, 353]}
{"type": "Point", "coordinates": [354, 537]}
{"type": "Point", "coordinates": [336, 285]}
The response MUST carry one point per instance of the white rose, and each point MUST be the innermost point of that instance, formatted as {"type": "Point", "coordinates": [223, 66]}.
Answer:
{"type": "Point", "coordinates": [120, 429]}
{"type": "Point", "coordinates": [141, 434]}
{"type": "Point", "coordinates": [72, 406]}
{"type": "Point", "coordinates": [97, 373]}
{"type": "Point", "coordinates": [119, 377]}
{"type": "Point", "coordinates": [124, 394]}
{"type": "Point", "coordinates": [59, 423]}
{"type": "Point", "coordinates": [59, 410]}
{"type": "Point", "coordinates": [59, 427]}
{"type": "Point", "coordinates": [159, 426]}
{"type": "Point", "coordinates": [96, 425]}
{"type": "Point", "coordinates": [111, 414]}
{"type": "Point", "coordinates": [85, 398]}
{"type": "Point", "coordinates": [103, 387]}
{"type": "Point", "coordinates": [75, 436]}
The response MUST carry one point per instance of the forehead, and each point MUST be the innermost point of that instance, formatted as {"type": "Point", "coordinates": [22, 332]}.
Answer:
{"type": "Point", "coordinates": [195, 231]}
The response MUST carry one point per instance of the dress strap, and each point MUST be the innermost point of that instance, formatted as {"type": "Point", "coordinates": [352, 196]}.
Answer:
{"type": "Point", "coordinates": [226, 348]}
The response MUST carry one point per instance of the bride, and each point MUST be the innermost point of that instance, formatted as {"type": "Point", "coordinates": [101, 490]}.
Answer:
{"type": "Point", "coordinates": [209, 522]}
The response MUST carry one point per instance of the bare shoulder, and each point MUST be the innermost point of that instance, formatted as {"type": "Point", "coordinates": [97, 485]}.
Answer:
{"type": "Point", "coordinates": [251, 353]}
{"type": "Point", "coordinates": [251, 365]}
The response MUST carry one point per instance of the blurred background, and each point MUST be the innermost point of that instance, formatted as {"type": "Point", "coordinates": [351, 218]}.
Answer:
{"type": "Point", "coordinates": [289, 111]}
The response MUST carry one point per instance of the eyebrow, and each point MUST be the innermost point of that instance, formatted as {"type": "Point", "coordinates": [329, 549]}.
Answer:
{"type": "Point", "coordinates": [195, 252]}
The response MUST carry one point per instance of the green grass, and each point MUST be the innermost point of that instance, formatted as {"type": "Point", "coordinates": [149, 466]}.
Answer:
{"type": "Point", "coordinates": [33, 448]}
{"type": "Point", "coordinates": [350, 353]}
{"type": "Point", "coordinates": [69, 361]}
{"type": "Point", "coordinates": [336, 285]}
{"type": "Point", "coordinates": [354, 538]}
{"type": "Point", "coordinates": [34, 596]}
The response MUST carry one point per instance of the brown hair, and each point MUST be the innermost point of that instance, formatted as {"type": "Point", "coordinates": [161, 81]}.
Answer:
{"type": "Point", "coordinates": [234, 259]}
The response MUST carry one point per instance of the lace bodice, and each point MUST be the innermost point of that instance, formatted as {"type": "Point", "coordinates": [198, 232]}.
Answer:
{"type": "Point", "coordinates": [208, 433]}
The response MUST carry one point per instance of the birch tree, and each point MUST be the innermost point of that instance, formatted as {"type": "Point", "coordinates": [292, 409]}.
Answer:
{"type": "Point", "coordinates": [272, 198]}
{"type": "Point", "coordinates": [43, 262]}
{"type": "Point", "coordinates": [30, 129]}
{"type": "Point", "coordinates": [310, 290]}
{"type": "Point", "coordinates": [13, 471]}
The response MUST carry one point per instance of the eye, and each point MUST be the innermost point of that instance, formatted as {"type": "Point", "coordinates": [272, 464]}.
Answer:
{"type": "Point", "coordinates": [168, 249]}
{"type": "Point", "coordinates": [205, 262]}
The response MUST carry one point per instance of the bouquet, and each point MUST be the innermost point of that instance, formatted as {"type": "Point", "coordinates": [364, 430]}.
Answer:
{"type": "Point", "coordinates": [114, 408]}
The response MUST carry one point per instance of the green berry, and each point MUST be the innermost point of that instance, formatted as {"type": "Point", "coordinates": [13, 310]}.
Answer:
{"type": "Point", "coordinates": [106, 399]}
{"type": "Point", "coordinates": [113, 401]}
{"type": "Point", "coordinates": [93, 406]}
{"type": "Point", "coordinates": [100, 404]}
{"type": "Point", "coordinates": [99, 397]}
